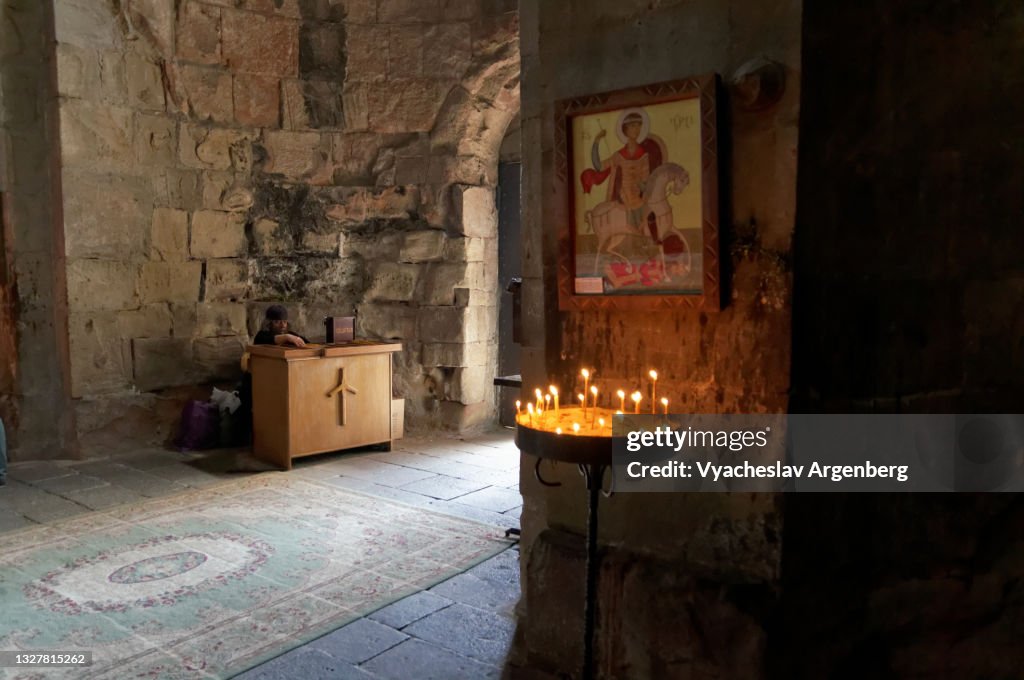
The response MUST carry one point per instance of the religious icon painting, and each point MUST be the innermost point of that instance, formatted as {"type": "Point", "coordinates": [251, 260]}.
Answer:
{"type": "Point", "coordinates": [638, 171]}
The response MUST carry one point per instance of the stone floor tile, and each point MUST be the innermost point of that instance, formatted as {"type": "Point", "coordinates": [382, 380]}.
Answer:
{"type": "Point", "coordinates": [368, 487]}
{"type": "Point", "coordinates": [385, 474]}
{"type": "Point", "coordinates": [53, 509]}
{"type": "Point", "coordinates": [501, 570]}
{"type": "Point", "coordinates": [185, 474]}
{"type": "Point", "coordinates": [104, 497]}
{"type": "Point", "coordinates": [142, 482]}
{"type": "Point", "coordinates": [359, 641]}
{"type": "Point", "coordinates": [152, 458]}
{"type": "Point", "coordinates": [515, 513]}
{"type": "Point", "coordinates": [481, 635]}
{"type": "Point", "coordinates": [11, 521]}
{"type": "Point", "coordinates": [493, 498]}
{"type": "Point", "coordinates": [307, 664]}
{"type": "Point", "coordinates": [400, 614]}
{"type": "Point", "coordinates": [443, 487]}
{"type": "Point", "coordinates": [34, 471]}
{"type": "Point", "coordinates": [72, 482]}
{"type": "Point", "coordinates": [425, 661]}
{"type": "Point", "coordinates": [474, 513]}
{"type": "Point", "coordinates": [476, 592]}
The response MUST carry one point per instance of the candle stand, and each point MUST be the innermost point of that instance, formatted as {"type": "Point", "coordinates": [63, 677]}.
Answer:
{"type": "Point", "coordinates": [593, 455]}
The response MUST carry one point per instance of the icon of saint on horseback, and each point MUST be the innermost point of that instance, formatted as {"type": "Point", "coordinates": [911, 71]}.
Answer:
{"type": "Point", "coordinates": [639, 179]}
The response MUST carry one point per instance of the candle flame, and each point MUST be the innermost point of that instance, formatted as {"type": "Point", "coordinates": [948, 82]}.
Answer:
{"type": "Point", "coordinates": [518, 404]}
{"type": "Point", "coordinates": [529, 407]}
{"type": "Point", "coordinates": [558, 430]}
{"type": "Point", "coordinates": [553, 390]}
{"type": "Point", "coordinates": [621, 394]}
{"type": "Point", "coordinates": [664, 401]}
{"type": "Point", "coordinates": [575, 427]}
{"type": "Point", "coordinates": [653, 374]}
{"type": "Point", "coordinates": [580, 396]}
{"type": "Point", "coordinates": [593, 389]}
{"type": "Point", "coordinates": [537, 392]}
{"type": "Point", "coordinates": [585, 373]}
{"type": "Point", "coordinates": [601, 421]}
{"type": "Point", "coordinates": [637, 396]}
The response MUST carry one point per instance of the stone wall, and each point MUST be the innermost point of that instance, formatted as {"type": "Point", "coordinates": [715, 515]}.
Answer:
{"type": "Point", "coordinates": [34, 366]}
{"type": "Point", "coordinates": [336, 156]}
{"type": "Point", "coordinates": [909, 274]}
{"type": "Point", "coordinates": [688, 581]}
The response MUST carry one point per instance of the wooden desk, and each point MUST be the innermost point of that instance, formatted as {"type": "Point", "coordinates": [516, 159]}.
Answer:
{"type": "Point", "coordinates": [319, 398]}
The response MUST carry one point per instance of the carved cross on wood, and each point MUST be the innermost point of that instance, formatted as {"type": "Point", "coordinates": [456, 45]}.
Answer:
{"type": "Point", "coordinates": [340, 390]}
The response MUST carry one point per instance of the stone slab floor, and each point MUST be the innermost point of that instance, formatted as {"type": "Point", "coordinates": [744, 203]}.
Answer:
{"type": "Point", "coordinates": [461, 628]}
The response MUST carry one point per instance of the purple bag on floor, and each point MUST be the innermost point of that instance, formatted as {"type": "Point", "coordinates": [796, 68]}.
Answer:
{"type": "Point", "coordinates": [200, 426]}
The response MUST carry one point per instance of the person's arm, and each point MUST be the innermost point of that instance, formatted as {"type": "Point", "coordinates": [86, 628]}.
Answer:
{"type": "Point", "coordinates": [290, 339]}
{"type": "Point", "coordinates": [595, 153]}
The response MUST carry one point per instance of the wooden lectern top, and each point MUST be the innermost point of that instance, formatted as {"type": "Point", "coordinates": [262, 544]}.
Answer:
{"type": "Point", "coordinates": [314, 350]}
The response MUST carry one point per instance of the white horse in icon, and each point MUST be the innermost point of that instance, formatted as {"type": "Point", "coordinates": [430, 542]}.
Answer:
{"type": "Point", "coordinates": [608, 219]}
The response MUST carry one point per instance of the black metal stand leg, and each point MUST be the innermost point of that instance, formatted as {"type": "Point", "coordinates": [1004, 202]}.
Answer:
{"type": "Point", "coordinates": [594, 475]}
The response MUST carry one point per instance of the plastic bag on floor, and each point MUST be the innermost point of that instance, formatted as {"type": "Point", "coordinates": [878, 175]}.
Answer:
{"type": "Point", "coordinates": [225, 401]}
{"type": "Point", "coordinates": [200, 426]}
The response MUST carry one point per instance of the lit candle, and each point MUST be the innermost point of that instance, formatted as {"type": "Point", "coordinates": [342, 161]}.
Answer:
{"type": "Point", "coordinates": [622, 400]}
{"type": "Point", "coordinates": [547, 401]}
{"type": "Point", "coordinates": [558, 430]}
{"type": "Point", "coordinates": [529, 408]}
{"type": "Point", "coordinates": [540, 398]}
{"type": "Point", "coordinates": [618, 413]}
{"type": "Point", "coordinates": [554, 392]}
{"type": "Point", "coordinates": [575, 428]}
{"type": "Point", "coordinates": [600, 421]}
{"type": "Point", "coordinates": [664, 405]}
{"type": "Point", "coordinates": [593, 392]}
{"type": "Point", "coordinates": [519, 409]}
{"type": "Point", "coordinates": [586, 388]}
{"type": "Point", "coordinates": [636, 402]}
{"type": "Point", "coordinates": [583, 403]}
{"type": "Point", "coordinates": [654, 388]}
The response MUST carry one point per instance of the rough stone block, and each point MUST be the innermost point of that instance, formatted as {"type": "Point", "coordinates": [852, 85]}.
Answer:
{"type": "Point", "coordinates": [184, 316]}
{"type": "Point", "coordinates": [211, 148]}
{"type": "Point", "coordinates": [145, 83]}
{"type": "Point", "coordinates": [364, 45]}
{"type": "Point", "coordinates": [374, 248]}
{"type": "Point", "coordinates": [270, 238]}
{"type": "Point", "coordinates": [162, 362]}
{"type": "Point", "coordinates": [322, 51]}
{"type": "Point", "coordinates": [355, 105]}
{"type": "Point", "coordinates": [423, 246]}
{"type": "Point", "coordinates": [442, 280]}
{"type": "Point", "coordinates": [99, 360]}
{"type": "Point", "coordinates": [466, 249]}
{"type": "Point", "coordinates": [106, 216]}
{"type": "Point", "coordinates": [256, 44]}
{"type": "Point", "coordinates": [386, 321]}
{"type": "Point", "coordinates": [354, 156]}
{"type": "Point", "coordinates": [471, 384]}
{"type": "Point", "coordinates": [112, 85]}
{"type": "Point", "coordinates": [471, 297]}
{"type": "Point", "coordinates": [215, 319]}
{"type": "Point", "coordinates": [199, 33]}
{"type": "Point", "coordinates": [218, 357]}
{"type": "Point", "coordinates": [476, 211]}
{"type": "Point", "coordinates": [442, 324]}
{"type": "Point", "coordinates": [215, 186]}
{"type": "Point", "coordinates": [396, 282]}
{"type": "Point", "coordinates": [94, 135]}
{"type": "Point", "coordinates": [149, 321]}
{"type": "Point", "coordinates": [101, 285]}
{"type": "Point", "coordinates": [312, 104]}
{"type": "Point", "coordinates": [78, 71]}
{"type": "Point", "coordinates": [86, 23]}
{"type": "Point", "coordinates": [408, 12]}
{"type": "Point", "coordinates": [154, 20]}
{"type": "Point", "coordinates": [466, 417]}
{"type": "Point", "coordinates": [257, 100]}
{"type": "Point", "coordinates": [480, 276]}
{"type": "Point", "coordinates": [169, 239]}
{"type": "Point", "coordinates": [217, 234]}
{"type": "Point", "coordinates": [170, 281]}
{"type": "Point", "coordinates": [178, 188]}
{"type": "Point", "coordinates": [355, 206]}
{"type": "Point", "coordinates": [406, 106]}
{"type": "Point", "coordinates": [321, 243]}
{"type": "Point", "coordinates": [455, 355]}
{"type": "Point", "coordinates": [207, 91]}
{"type": "Point", "coordinates": [295, 155]}
{"type": "Point", "coordinates": [454, 59]}
{"type": "Point", "coordinates": [405, 51]}
{"type": "Point", "coordinates": [156, 140]}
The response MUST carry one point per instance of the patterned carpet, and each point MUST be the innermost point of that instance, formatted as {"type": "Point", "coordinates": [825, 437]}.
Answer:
{"type": "Point", "coordinates": [212, 582]}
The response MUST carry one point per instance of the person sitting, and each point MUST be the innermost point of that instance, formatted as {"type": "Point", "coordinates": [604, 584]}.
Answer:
{"type": "Point", "coordinates": [276, 330]}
